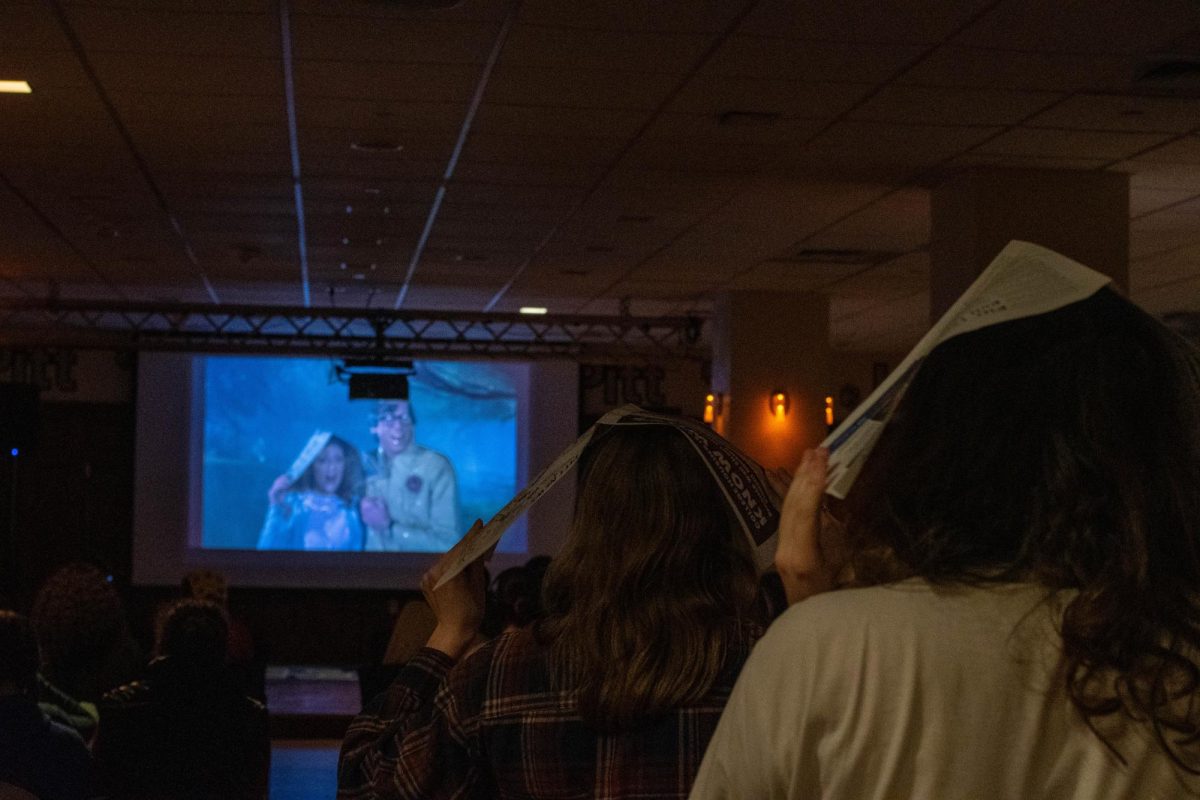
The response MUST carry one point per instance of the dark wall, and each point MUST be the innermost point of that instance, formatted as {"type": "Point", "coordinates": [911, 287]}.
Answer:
{"type": "Point", "coordinates": [70, 498]}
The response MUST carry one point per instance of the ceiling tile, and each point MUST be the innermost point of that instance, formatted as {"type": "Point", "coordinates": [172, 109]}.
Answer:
{"type": "Point", "coordinates": [984, 68]}
{"type": "Point", "coordinates": [391, 41]}
{"type": "Point", "coordinates": [125, 30]}
{"type": "Point", "coordinates": [1055, 143]}
{"type": "Point", "coordinates": [712, 95]}
{"type": "Point", "coordinates": [541, 86]}
{"type": "Point", "coordinates": [1118, 112]}
{"type": "Point", "coordinates": [1097, 26]}
{"type": "Point", "coordinates": [861, 20]}
{"type": "Point", "coordinates": [667, 16]}
{"type": "Point", "coordinates": [932, 105]}
{"type": "Point", "coordinates": [810, 61]}
{"type": "Point", "coordinates": [619, 51]}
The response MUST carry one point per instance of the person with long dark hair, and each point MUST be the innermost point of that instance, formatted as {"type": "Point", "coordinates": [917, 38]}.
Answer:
{"type": "Point", "coordinates": [1023, 616]}
{"type": "Point", "coordinates": [649, 617]}
{"type": "Point", "coordinates": [319, 511]}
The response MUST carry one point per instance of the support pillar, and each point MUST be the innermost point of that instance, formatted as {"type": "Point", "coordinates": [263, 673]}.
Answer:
{"type": "Point", "coordinates": [1083, 215]}
{"type": "Point", "coordinates": [765, 342]}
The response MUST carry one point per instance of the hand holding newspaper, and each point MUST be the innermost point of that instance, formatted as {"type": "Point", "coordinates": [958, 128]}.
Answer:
{"type": "Point", "coordinates": [754, 496]}
{"type": "Point", "coordinates": [1022, 281]}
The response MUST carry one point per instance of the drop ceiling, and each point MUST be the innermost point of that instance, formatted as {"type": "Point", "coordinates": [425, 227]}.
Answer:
{"type": "Point", "coordinates": [573, 154]}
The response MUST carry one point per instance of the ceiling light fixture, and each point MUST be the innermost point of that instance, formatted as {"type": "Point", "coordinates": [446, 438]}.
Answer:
{"type": "Point", "coordinates": [15, 87]}
{"type": "Point", "coordinates": [533, 310]}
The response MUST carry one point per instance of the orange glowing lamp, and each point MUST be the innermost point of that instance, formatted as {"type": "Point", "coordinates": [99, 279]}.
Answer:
{"type": "Point", "coordinates": [779, 403]}
{"type": "Point", "coordinates": [710, 408]}
{"type": "Point", "coordinates": [829, 412]}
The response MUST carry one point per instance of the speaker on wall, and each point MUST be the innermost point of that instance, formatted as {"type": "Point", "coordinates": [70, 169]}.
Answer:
{"type": "Point", "coordinates": [18, 416]}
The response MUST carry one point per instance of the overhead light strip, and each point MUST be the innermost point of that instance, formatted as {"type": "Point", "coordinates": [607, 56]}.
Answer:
{"type": "Point", "coordinates": [463, 132]}
{"type": "Point", "coordinates": [15, 87]}
{"type": "Point", "coordinates": [289, 93]}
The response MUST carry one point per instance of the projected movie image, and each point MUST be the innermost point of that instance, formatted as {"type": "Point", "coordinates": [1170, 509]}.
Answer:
{"type": "Point", "coordinates": [291, 463]}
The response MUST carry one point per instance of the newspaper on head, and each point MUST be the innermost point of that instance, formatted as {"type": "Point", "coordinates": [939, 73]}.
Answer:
{"type": "Point", "coordinates": [1022, 281]}
{"type": "Point", "coordinates": [750, 491]}
{"type": "Point", "coordinates": [316, 443]}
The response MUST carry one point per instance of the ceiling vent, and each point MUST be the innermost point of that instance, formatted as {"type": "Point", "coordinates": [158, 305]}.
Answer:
{"type": "Point", "coordinates": [377, 146]}
{"type": "Point", "coordinates": [735, 117]}
{"type": "Point", "coordinates": [835, 255]}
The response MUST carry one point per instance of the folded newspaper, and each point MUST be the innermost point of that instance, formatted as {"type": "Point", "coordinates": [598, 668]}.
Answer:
{"type": "Point", "coordinates": [1022, 281]}
{"type": "Point", "coordinates": [750, 491]}
{"type": "Point", "coordinates": [316, 443]}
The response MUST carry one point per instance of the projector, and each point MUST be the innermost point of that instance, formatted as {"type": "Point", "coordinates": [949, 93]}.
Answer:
{"type": "Point", "coordinates": [376, 380]}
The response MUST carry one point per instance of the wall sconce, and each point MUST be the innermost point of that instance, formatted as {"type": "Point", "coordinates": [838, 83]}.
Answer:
{"type": "Point", "coordinates": [779, 403]}
{"type": "Point", "coordinates": [713, 405]}
{"type": "Point", "coordinates": [828, 412]}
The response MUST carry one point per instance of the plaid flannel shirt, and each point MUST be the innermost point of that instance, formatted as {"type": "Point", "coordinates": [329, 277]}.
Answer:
{"type": "Point", "coordinates": [493, 727]}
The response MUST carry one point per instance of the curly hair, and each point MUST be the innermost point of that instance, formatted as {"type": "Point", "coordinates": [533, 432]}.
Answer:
{"type": "Point", "coordinates": [1063, 450]}
{"type": "Point", "coordinates": [353, 475]}
{"type": "Point", "coordinates": [79, 621]}
{"type": "Point", "coordinates": [655, 586]}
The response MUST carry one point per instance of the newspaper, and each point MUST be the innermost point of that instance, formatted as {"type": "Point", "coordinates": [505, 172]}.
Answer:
{"type": "Point", "coordinates": [749, 490]}
{"type": "Point", "coordinates": [316, 443]}
{"type": "Point", "coordinates": [1022, 281]}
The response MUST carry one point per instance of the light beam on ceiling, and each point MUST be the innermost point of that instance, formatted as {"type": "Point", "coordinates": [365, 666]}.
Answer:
{"type": "Point", "coordinates": [289, 92]}
{"type": "Point", "coordinates": [463, 132]}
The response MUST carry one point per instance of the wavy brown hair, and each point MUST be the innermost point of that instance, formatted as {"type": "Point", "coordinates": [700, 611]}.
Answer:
{"type": "Point", "coordinates": [1063, 450]}
{"type": "Point", "coordinates": [655, 587]}
{"type": "Point", "coordinates": [353, 476]}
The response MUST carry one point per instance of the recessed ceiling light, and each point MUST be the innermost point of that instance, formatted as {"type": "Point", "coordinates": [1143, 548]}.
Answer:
{"type": "Point", "coordinates": [15, 87]}
{"type": "Point", "coordinates": [533, 310]}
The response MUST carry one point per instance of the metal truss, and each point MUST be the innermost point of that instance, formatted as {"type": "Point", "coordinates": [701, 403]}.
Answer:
{"type": "Point", "coordinates": [363, 333]}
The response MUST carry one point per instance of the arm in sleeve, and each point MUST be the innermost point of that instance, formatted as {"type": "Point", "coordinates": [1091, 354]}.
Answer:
{"type": "Point", "coordinates": [414, 741]}
{"type": "Point", "coordinates": [443, 503]}
{"type": "Point", "coordinates": [277, 528]}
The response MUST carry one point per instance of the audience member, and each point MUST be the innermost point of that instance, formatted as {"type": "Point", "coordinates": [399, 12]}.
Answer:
{"type": "Point", "coordinates": [243, 665]}
{"type": "Point", "coordinates": [85, 643]}
{"type": "Point", "coordinates": [37, 755]}
{"type": "Point", "coordinates": [649, 617]}
{"type": "Point", "coordinates": [1025, 541]}
{"type": "Point", "coordinates": [186, 730]}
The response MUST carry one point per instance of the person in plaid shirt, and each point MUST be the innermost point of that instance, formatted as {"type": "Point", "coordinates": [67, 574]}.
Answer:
{"type": "Point", "coordinates": [616, 693]}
